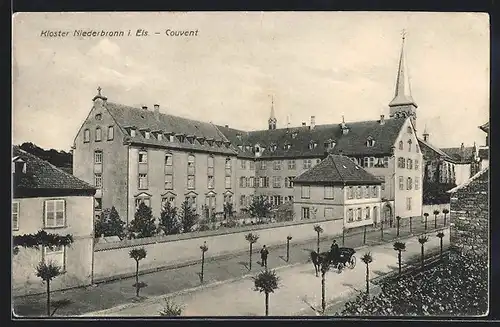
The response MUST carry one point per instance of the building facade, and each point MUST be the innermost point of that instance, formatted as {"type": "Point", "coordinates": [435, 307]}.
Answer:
{"type": "Point", "coordinates": [135, 155]}
{"type": "Point", "coordinates": [46, 198]}
{"type": "Point", "coordinates": [338, 189]}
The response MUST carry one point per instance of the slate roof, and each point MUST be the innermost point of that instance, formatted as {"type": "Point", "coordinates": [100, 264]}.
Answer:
{"type": "Point", "coordinates": [128, 116]}
{"type": "Point", "coordinates": [353, 143]}
{"type": "Point", "coordinates": [42, 175]}
{"type": "Point", "coordinates": [485, 127]}
{"type": "Point", "coordinates": [425, 145]}
{"type": "Point", "coordinates": [456, 154]}
{"type": "Point", "coordinates": [336, 169]}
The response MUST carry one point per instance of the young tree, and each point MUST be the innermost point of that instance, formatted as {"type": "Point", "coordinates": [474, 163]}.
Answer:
{"type": "Point", "coordinates": [266, 282]}
{"type": "Point", "coordinates": [367, 259]}
{"type": "Point", "coordinates": [399, 247]}
{"type": "Point", "coordinates": [440, 235]}
{"type": "Point", "coordinates": [137, 255]}
{"type": "Point", "coordinates": [426, 215]}
{"type": "Point", "coordinates": [143, 224]}
{"type": "Point", "coordinates": [445, 212]}
{"type": "Point", "coordinates": [189, 217]}
{"type": "Point", "coordinates": [251, 238]}
{"type": "Point", "coordinates": [318, 230]}
{"type": "Point", "coordinates": [47, 272]}
{"type": "Point", "coordinates": [203, 248]}
{"type": "Point", "coordinates": [436, 213]}
{"type": "Point", "coordinates": [171, 309]}
{"type": "Point", "coordinates": [324, 267]}
{"type": "Point", "coordinates": [169, 221]}
{"type": "Point", "coordinates": [110, 224]}
{"type": "Point", "coordinates": [422, 240]}
{"type": "Point", "coordinates": [398, 220]}
{"type": "Point", "coordinates": [259, 207]}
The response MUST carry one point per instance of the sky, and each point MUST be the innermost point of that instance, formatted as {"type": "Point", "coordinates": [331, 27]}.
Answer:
{"type": "Point", "coordinates": [326, 64]}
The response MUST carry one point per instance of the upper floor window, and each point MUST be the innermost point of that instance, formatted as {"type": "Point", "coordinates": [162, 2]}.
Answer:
{"type": "Point", "coordinates": [367, 213]}
{"type": "Point", "coordinates": [143, 157]}
{"type": "Point", "coordinates": [111, 133]}
{"type": "Point", "coordinates": [358, 192]}
{"type": "Point", "coordinates": [55, 213]}
{"type": "Point", "coordinates": [305, 191]}
{"type": "Point", "coordinates": [169, 172]}
{"type": "Point", "coordinates": [408, 183]}
{"type": "Point", "coordinates": [401, 183]}
{"type": "Point", "coordinates": [276, 181]}
{"type": "Point", "coordinates": [408, 203]}
{"type": "Point", "coordinates": [132, 132]}
{"type": "Point", "coordinates": [409, 164]}
{"type": "Point", "coordinates": [243, 182]}
{"type": "Point", "coordinates": [15, 215]}
{"type": "Point", "coordinates": [147, 135]}
{"type": "Point", "coordinates": [160, 136]}
{"type": "Point", "coordinates": [86, 136]}
{"type": "Point", "coordinates": [277, 165]}
{"type": "Point", "coordinates": [366, 191]}
{"type": "Point", "coordinates": [228, 166]}
{"type": "Point", "coordinates": [291, 164]}
{"type": "Point", "coordinates": [143, 181]}
{"type": "Point", "coordinates": [191, 165]}
{"type": "Point", "coordinates": [263, 165]}
{"type": "Point", "coordinates": [227, 182]}
{"type": "Point", "coordinates": [350, 216]}
{"type": "Point", "coordinates": [328, 192]}
{"type": "Point", "coordinates": [243, 164]}
{"type": "Point", "coordinates": [374, 191]}
{"type": "Point", "coordinates": [289, 182]}
{"type": "Point", "coordinates": [98, 157]}
{"type": "Point", "coordinates": [98, 180]}
{"type": "Point", "coordinates": [98, 116]}
{"type": "Point", "coordinates": [416, 164]}
{"type": "Point", "coordinates": [409, 130]}
{"type": "Point", "coordinates": [98, 134]}
{"type": "Point", "coordinates": [251, 181]}
{"type": "Point", "coordinates": [417, 182]}
{"type": "Point", "coordinates": [370, 142]}
{"type": "Point", "coordinates": [400, 145]}
{"type": "Point", "coordinates": [307, 163]}
{"type": "Point", "coordinates": [409, 145]}
{"type": "Point", "coordinates": [252, 165]}
{"type": "Point", "coordinates": [146, 200]}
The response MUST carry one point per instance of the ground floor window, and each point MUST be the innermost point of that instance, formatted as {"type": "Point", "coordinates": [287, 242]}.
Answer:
{"type": "Point", "coordinates": [55, 255]}
{"type": "Point", "coordinates": [328, 213]}
{"type": "Point", "coordinates": [305, 213]}
{"type": "Point", "coordinates": [277, 200]}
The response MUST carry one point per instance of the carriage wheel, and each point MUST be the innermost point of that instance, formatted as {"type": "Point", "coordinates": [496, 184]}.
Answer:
{"type": "Point", "coordinates": [352, 262]}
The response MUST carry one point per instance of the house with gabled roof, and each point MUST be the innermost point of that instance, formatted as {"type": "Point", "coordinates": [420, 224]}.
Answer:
{"type": "Point", "coordinates": [49, 199]}
{"type": "Point", "coordinates": [338, 189]}
{"type": "Point", "coordinates": [135, 155]}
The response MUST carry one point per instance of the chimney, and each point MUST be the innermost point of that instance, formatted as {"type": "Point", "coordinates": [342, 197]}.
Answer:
{"type": "Point", "coordinates": [303, 123]}
{"type": "Point", "coordinates": [313, 122]}
{"type": "Point", "coordinates": [462, 150]}
{"type": "Point", "coordinates": [226, 126]}
{"type": "Point", "coordinates": [157, 111]}
{"type": "Point", "coordinates": [145, 107]}
{"type": "Point", "coordinates": [382, 119]}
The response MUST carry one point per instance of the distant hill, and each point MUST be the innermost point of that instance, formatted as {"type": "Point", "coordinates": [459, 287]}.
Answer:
{"type": "Point", "coordinates": [60, 159]}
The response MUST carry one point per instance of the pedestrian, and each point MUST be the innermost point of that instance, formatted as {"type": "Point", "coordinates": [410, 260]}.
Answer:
{"type": "Point", "coordinates": [334, 249]}
{"type": "Point", "coordinates": [263, 256]}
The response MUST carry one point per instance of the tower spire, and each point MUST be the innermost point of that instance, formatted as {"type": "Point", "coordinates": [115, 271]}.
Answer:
{"type": "Point", "coordinates": [272, 118]}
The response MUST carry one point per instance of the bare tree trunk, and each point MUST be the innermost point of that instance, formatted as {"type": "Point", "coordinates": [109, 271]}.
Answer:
{"type": "Point", "coordinates": [422, 255]}
{"type": "Point", "coordinates": [441, 248]}
{"type": "Point", "coordinates": [267, 304]}
{"type": "Point", "coordinates": [399, 261]}
{"type": "Point", "coordinates": [202, 264]}
{"type": "Point", "coordinates": [250, 262]}
{"type": "Point", "coordinates": [367, 280]}
{"type": "Point", "coordinates": [48, 298]}
{"type": "Point", "coordinates": [318, 242]}
{"type": "Point", "coordinates": [137, 278]}
{"type": "Point", "coordinates": [287, 250]}
{"type": "Point", "coordinates": [323, 291]}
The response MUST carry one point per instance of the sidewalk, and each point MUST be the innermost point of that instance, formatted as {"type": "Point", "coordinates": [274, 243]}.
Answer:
{"type": "Point", "coordinates": [107, 295]}
{"type": "Point", "coordinates": [299, 289]}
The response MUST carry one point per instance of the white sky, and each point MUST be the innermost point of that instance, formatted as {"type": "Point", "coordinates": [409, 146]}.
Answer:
{"type": "Point", "coordinates": [326, 64]}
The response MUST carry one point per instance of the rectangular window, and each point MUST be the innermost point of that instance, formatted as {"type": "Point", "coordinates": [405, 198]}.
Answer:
{"type": "Point", "coordinates": [417, 182]}
{"type": "Point", "coordinates": [98, 180]}
{"type": "Point", "coordinates": [191, 165]}
{"type": "Point", "coordinates": [243, 164]}
{"type": "Point", "coordinates": [382, 186]}
{"type": "Point", "coordinates": [143, 157]}
{"type": "Point", "coordinates": [307, 163]}
{"type": "Point", "coordinates": [252, 165]}
{"type": "Point", "coordinates": [98, 204]}
{"type": "Point", "coordinates": [371, 162]}
{"type": "Point", "coordinates": [98, 157]}
{"type": "Point", "coordinates": [146, 135]}
{"type": "Point", "coordinates": [55, 213]}
{"type": "Point", "coordinates": [251, 182]}
{"type": "Point", "coordinates": [276, 181]}
{"type": "Point", "coordinates": [98, 134]}
{"type": "Point", "coordinates": [15, 215]}
{"type": "Point", "coordinates": [366, 192]}
{"type": "Point", "coordinates": [143, 181]}
{"type": "Point", "coordinates": [86, 136]}
{"type": "Point", "coordinates": [408, 204]}
{"type": "Point", "coordinates": [386, 162]}
{"type": "Point", "coordinates": [169, 172]}
{"type": "Point", "coordinates": [169, 182]}
{"type": "Point", "coordinates": [358, 214]}
{"type": "Point", "coordinates": [263, 165]}
{"type": "Point", "coordinates": [289, 182]}
{"type": "Point", "coordinates": [227, 182]}
{"type": "Point", "coordinates": [56, 255]}
{"type": "Point", "coordinates": [328, 213]}
{"type": "Point", "coordinates": [358, 192]}
{"type": "Point", "coordinates": [305, 213]}
{"type": "Point", "coordinates": [305, 191]}
{"type": "Point", "coordinates": [243, 182]}
{"type": "Point", "coordinates": [408, 183]}
{"type": "Point", "coordinates": [132, 133]}
{"type": "Point", "coordinates": [365, 162]}
{"type": "Point", "coordinates": [291, 165]}
{"type": "Point", "coordinates": [416, 164]}
{"type": "Point", "coordinates": [277, 165]}
{"type": "Point", "coordinates": [350, 216]}
{"type": "Point", "coordinates": [111, 133]}
{"type": "Point", "coordinates": [409, 164]}
{"type": "Point", "coordinates": [401, 183]}
{"type": "Point", "coordinates": [350, 193]}
{"type": "Point", "coordinates": [367, 213]}
{"type": "Point", "coordinates": [374, 191]}
{"type": "Point", "coordinates": [328, 192]}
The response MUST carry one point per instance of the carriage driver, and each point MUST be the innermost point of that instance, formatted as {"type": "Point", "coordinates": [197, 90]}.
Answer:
{"type": "Point", "coordinates": [334, 249]}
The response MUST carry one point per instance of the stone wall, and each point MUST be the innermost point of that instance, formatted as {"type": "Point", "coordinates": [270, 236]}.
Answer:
{"type": "Point", "coordinates": [470, 214]}
{"type": "Point", "coordinates": [112, 260]}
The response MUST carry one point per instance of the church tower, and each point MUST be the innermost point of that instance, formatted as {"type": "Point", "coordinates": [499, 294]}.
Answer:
{"type": "Point", "coordinates": [272, 119]}
{"type": "Point", "coordinates": [403, 104]}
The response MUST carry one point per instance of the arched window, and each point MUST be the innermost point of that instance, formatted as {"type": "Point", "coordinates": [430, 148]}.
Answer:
{"type": "Point", "coordinates": [86, 136]}
{"type": "Point", "coordinates": [409, 145]}
{"type": "Point", "coordinates": [169, 171]}
{"type": "Point", "coordinates": [400, 145]}
{"type": "Point", "coordinates": [408, 183]}
{"type": "Point", "coordinates": [375, 214]}
{"type": "Point", "coordinates": [98, 134]}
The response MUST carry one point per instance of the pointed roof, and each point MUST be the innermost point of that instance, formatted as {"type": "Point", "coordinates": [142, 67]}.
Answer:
{"type": "Point", "coordinates": [485, 127]}
{"type": "Point", "coordinates": [402, 94]}
{"type": "Point", "coordinates": [272, 116]}
{"type": "Point", "coordinates": [337, 169]}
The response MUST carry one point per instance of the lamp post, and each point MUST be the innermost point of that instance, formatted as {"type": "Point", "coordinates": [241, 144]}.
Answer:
{"type": "Point", "coordinates": [288, 239]}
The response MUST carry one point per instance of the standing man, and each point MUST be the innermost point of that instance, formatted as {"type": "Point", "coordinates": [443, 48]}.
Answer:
{"type": "Point", "coordinates": [334, 249]}
{"type": "Point", "coordinates": [263, 256]}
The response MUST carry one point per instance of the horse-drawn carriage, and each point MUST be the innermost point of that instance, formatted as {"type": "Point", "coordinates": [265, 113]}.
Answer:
{"type": "Point", "coordinates": [346, 258]}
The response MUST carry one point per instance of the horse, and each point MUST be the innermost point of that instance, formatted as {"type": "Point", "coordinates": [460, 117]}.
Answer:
{"type": "Point", "coordinates": [321, 258]}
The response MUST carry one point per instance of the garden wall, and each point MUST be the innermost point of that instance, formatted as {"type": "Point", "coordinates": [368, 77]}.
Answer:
{"type": "Point", "coordinates": [112, 259]}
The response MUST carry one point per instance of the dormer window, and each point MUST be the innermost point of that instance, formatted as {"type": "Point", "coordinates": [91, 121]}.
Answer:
{"type": "Point", "coordinates": [256, 149]}
{"type": "Point", "coordinates": [18, 166]}
{"type": "Point", "coordinates": [210, 142]}
{"type": "Point", "coordinates": [240, 147]}
{"type": "Point", "coordinates": [287, 146]}
{"type": "Point", "coordinates": [247, 148]}
{"type": "Point", "coordinates": [160, 136]}
{"type": "Point", "coordinates": [294, 135]}
{"type": "Point", "coordinates": [218, 143]}
{"type": "Point", "coordinates": [190, 138]}
{"type": "Point", "coordinates": [238, 136]}
{"type": "Point", "coordinates": [180, 137]}
{"type": "Point", "coordinates": [272, 147]}
{"type": "Point", "coordinates": [312, 145]}
{"type": "Point", "coordinates": [201, 140]}
{"type": "Point", "coordinates": [132, 132]}
{"type": "Point", "coordinates": [370, 142]}
{"type": "Point", "coordinates": [147, 135]}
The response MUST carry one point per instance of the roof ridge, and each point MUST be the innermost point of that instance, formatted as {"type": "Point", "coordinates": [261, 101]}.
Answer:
{"type": "Point", "coordinates": [336, 168]}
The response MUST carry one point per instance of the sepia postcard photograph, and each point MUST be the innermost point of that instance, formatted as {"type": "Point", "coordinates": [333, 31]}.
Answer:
{"type": "Point", "coordinates": [250, 164]}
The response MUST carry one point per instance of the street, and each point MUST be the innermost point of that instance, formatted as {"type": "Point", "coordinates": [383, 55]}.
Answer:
{"type": "Point", "coordinates": [299, 288]}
